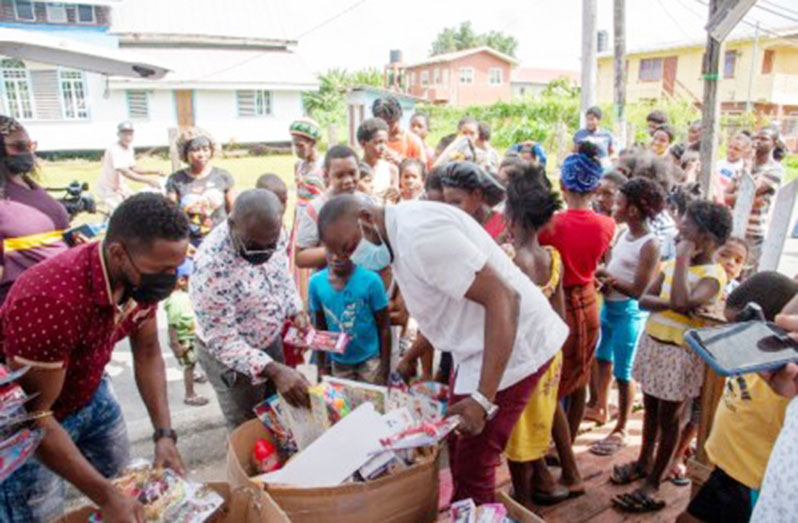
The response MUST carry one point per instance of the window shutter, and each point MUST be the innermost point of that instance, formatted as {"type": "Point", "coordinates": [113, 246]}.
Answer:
{"type": "Point", "coordinates": [46, 94]}
{"type": "Point", "coordinates": [138, 107]}
{"type": "Point", "coordinates": [246, 103]}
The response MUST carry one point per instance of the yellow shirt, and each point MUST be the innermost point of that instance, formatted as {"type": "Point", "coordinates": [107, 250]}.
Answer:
{"type": "Point", "coordinates": [669, 326]}
{"type": "Point", "coordinates": [747, 422]}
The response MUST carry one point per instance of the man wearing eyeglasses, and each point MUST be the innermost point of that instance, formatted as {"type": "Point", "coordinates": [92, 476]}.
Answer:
{"type": "Point", "coordinates": [242, 294]}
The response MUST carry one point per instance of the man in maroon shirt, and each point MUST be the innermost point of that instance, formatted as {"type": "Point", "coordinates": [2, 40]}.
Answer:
{"type": "Point", "coordinates": [62, 318]}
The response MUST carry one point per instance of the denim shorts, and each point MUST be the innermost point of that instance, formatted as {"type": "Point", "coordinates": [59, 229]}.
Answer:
{"type": "Point", "coordinates": [621, 324]}
{"type": "Point", "coordinates": [34, 493]}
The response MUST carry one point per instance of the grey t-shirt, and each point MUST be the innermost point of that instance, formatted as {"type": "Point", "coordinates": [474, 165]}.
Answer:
{"type": "Point", "coordinates": [203, 199]}
{"type": "Point", "coordinates": [307, 232]}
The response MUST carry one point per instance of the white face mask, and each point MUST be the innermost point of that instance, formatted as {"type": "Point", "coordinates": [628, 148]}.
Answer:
{"type": "Point", "coordinates": [369, 255]}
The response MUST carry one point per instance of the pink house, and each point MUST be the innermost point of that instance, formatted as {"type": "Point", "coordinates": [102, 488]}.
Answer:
{"type": "Point", "coordinates": [472, 76]}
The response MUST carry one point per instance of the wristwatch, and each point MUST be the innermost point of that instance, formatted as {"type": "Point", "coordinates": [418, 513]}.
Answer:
{"type": "Point", "coordinates": [164, 433]}
{"type": "Point", "coordinates": [490, 408]}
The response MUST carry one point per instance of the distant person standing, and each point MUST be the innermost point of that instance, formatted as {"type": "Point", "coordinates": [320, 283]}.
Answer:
{"type": "Point", "coordinates": [596, 135]}
{"type": "Point", "coordinates": [401, 142]}
{"type": "Point", "coordinates": [119, 162]}
{"type": "Point", "coordinates": [204, 192]}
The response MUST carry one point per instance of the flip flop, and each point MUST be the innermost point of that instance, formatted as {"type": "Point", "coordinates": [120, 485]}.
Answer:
{"type": "Point", "coordinates": [627, 473]}
{"type": "Point", "coordinates": [559, 494]}
{"type": "Point", "coordinates": [196, 401]}
{"type": "Point", "coordinates": [638, 503]}
{"type": "Point", "coordinates": [609, 445]}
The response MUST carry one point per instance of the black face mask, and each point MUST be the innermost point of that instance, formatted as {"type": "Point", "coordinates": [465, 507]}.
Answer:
{"type": "Point", "coordinates": [152, 288]}
{"type": "Point", "coordinates": [19, 163]}
{"type": "Point", "coordinates": [255, 257]}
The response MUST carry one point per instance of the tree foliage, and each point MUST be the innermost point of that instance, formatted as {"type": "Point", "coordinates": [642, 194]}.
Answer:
{"type": "Point", "coordinates": [465, 37]}
{"type": "Point", "coordinates": [328, 104]}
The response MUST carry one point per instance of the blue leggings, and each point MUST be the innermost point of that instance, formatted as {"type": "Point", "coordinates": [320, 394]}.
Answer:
{"type": "Point", "coordinates": [621, 324]}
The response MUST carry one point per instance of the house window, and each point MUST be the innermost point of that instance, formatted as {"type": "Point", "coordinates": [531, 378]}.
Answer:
{"type": "Point", "coordinates": [424, 78]}
{"type": "Point", "coordinates": [495, 76]}
{"type": "Point", "coordinates": [650, 70]}
{"type": "Point", "coordinates": [466, 75]}
{"type": "Point", "coordinates": [24, 10]}
{"type": "Point", "coordinates": [437, 77]}
{"type": "Point", "coordinates": [73, 95]}
{"type": "Point", "coordinates": [446, 77]}
{"type": "Point", "coordinates": [767, 62]}
{"type": "Point", "coordinates": [412, 78]}
{"type": "Point", "coordinates": [254, 103]}
{"type": "Point", "coordinates": [86, 14]}
{"type": "Point", "coordinates": [17, 91]}
{"type": "Point", "coordinates": [56, 13]}
{"type": "Point", "coordinates": [729, 63]}
{"type": "Point", "coordinates": [138, 105]}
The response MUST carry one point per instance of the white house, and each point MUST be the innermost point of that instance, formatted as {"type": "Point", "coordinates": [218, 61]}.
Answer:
{"type": "Point", "coordinates": [527, 81]}
{"type": "Point", "coordinates": [224, 77]}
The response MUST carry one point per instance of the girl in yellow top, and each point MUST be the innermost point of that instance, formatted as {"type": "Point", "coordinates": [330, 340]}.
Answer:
{"type": "Point", "coordinates": [529, 206]}
{"type": "Point", "coordinates": [669, 372]}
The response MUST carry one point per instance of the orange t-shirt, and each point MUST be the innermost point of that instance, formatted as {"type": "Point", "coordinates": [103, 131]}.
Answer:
{"type": "Point", "coordinates": [408, 145]}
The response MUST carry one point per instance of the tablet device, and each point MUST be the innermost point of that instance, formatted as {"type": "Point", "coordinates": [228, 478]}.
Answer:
{"type": "Point", "coordinates": [743, 348]}
{"type": "Point", "coordinates": [74, 235]}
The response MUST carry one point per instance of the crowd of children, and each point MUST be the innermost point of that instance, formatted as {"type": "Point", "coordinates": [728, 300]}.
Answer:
{"type": "Point", "coordinates": [627, 248]}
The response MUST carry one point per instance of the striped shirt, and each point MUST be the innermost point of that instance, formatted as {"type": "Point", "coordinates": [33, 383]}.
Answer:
{"type": "Point", "coordinates": [669, 326]}
{"type": "Point", "coordinates": [769, 174]}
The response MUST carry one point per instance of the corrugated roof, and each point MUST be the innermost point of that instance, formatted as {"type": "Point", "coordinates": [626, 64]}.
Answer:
{"type": "Point", "coordinates": [225, 68]}
{"type": "Point", "coordinates": [238, 18]}
{"type": "Point", "coordinates": [531, 75]}
{"type": "Point", "coordinates": [448, 57]}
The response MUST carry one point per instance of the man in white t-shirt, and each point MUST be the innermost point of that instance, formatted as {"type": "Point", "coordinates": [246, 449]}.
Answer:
{"type": "Point", "coordinates": [119, 162]}
{"type": "Point", "coordinates": [468, 299]}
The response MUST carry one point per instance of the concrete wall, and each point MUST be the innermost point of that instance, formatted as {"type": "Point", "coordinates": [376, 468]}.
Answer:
{"type": "Point", "coordinates": [215, 111]}
{"type": "Point", "coordinates": [779, 87]}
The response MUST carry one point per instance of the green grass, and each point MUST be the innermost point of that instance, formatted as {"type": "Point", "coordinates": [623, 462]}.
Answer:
{"type": "Point", "coordinates": [245, 171]}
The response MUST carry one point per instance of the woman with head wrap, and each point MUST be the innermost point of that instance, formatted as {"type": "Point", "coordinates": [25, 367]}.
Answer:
{"type": "Point", "coordinates": [310, 183]}
{"type": "Point", "coordinates": [203, 191]}
{"type": "Point", "coordinates": [32, 222]}
{"type": "Point", "coordinates": [582, 236]}
{"type": "Point", "coordinates": [467, 186]}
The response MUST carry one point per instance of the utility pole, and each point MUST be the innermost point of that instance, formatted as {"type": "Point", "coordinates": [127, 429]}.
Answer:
{"type": "Point", "coordinates": [724, 15]}
{"type": "Point", "coordinates": [588, 88]}
{"type": "Point", "coordinates": [748, 103]}
{"type": "Point", "coordinates": [711, 105]}
{"type": "Point", "coordinates": [619, 100]}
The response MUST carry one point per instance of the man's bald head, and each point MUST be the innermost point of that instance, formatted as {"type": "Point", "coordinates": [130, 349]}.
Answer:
{"type": "Point", "coordinates": [345, 207]}
{"type": "Point", "coordinates": [257, 218]}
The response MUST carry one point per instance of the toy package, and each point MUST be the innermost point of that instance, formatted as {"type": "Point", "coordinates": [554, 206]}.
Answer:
{"type": "Point", "coordinates": [491, 513]}
{"type": "Point", "coordinates": [421, 434]}
{"type": "Point", "coordinates": [167, 497]}
{"type": "Point", "coordinates": [265, 457]}
{"type": "Point", "coordinates": [328, 403]}
{"type": "Point", "coordinates": [269, 412]}
{"type": "Point", "coordinates": [327, 341]}
{"type": "Point", "coordinates": [16, 449]}
{"type": "Point", "coordinates": [431, 389]}
{"type": "Point", "coordinates": [464, 511]}
{"type": "Point", "coordinates": [360, 393]}
{"type": "Point", "coordinates": [305, 424]}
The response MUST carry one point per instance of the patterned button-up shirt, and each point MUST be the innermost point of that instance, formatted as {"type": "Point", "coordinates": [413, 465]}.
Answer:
{"type": "Point", "coordinates": [240, 307]}
{"type": "Point", "coordinates": [60, 315]}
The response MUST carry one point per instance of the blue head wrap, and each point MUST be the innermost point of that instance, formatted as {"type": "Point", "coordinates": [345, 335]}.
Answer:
{"type": "Point", "coordinates": [580, 173]}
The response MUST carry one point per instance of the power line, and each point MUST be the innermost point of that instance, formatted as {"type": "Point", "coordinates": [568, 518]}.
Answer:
{"type": "Point", "coordinates": [332, 18]}
{"type": "Point", "coordinates": [263, 53]}
{"type": "Point", "coordinates": [767, 9]}
{"type": "Point", "coordinates": [674, 20]}
{"type": "Point", "coordinates": [762, 27]}
{"type": "Point", "coordinates": [779, 6]}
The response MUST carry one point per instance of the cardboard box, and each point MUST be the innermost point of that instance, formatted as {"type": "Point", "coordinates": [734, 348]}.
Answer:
{"type": "Point", "coordinates": [516, 511]}
{"type": "Point", "coordinates": [242, 505]}
{"type": "Point", "coordinates": [408, 496]}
